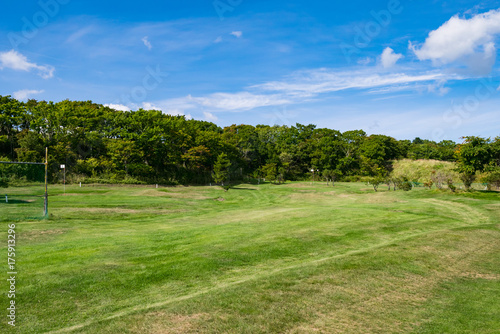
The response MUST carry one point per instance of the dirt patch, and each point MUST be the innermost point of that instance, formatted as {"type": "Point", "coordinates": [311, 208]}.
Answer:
{"type": "Point", "coordinates": [220, 199]}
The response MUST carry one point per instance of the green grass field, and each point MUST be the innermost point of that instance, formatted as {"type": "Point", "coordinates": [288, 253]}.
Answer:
{"type": "Point", "coordinates": [293, 258]}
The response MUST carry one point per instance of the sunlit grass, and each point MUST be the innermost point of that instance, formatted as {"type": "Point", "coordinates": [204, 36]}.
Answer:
{"type": "Point", "coordinates": [294, 258]}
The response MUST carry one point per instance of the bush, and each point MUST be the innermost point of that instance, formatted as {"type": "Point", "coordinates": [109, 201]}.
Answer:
{"type": "Point", "coordinates": [467, 179]}
{"type": "Point", "coordinates": [351, 178]}
{"type": "Point", "coordinates": [403, 183]}
{"type": "Point", "coordinates": [3, 183]}
{"type": "Point", "coordinates": [492, 179]}
{"type": "Point", "coordinates": [375, 181]}
{"type": "Point", "coordinates": [450, 185]}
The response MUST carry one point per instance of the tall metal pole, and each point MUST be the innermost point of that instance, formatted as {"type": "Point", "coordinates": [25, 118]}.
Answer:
{"type": "Point", "coordinates": [46, 201]}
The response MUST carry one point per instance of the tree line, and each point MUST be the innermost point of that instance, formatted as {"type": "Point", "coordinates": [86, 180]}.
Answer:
{"type": "Point", "coordinates": [100, 144]}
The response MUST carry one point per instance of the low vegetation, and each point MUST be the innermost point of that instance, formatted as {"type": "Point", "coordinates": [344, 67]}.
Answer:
{"type": "Point", "coordinates": [268, 258]}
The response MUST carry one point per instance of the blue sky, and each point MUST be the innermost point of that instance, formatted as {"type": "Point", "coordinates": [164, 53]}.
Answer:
{"type": "Point", "coordinates": [401, 68]}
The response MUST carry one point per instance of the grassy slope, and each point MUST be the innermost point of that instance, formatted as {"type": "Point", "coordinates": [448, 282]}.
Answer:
{"type": "Point", "coordinates": [291, 258]}
{"type": "Point", "coordinates": [421, 170]}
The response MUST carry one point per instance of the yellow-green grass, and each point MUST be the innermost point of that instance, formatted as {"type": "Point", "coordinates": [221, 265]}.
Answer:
{"type": "Point", "coordinates": [293, 258]}
{"type": "Point", "coordinates": [421, 170]}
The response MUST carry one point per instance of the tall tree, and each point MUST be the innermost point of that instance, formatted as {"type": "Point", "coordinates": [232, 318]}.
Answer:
{"type": "Point", "coordinates": [472, 155]}
{"type": "Point", "coordinates": [221, 169]}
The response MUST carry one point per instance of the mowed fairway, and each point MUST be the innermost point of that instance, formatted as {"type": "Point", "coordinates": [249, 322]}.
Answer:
{"type": "Point", "coordinates": [293, 258]}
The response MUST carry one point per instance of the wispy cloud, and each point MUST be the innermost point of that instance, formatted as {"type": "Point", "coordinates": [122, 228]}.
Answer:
{"type": "Point", "coordinates": [239, 101]}
{"type": "Point", "coordinates": [221, 102]}
{"type": "Point", "coordinates": [313, 82]}
{"type": "Point", "coordinates": [365, 61]}
{"type": "Point", "coordinates": [209, 117]}
{"type": "Point", "coordinates": [17, 62]}
{"type": "Point", "coordinates": [26, 94]}
{"type": "Point", "coordinates": [147, 43]}
{"type": "Point", "coordinates": [237, 34]}
{"type": "Point", "coordinates": [309, 85]}
{"type": "Point", "coordinates": [80, 33]}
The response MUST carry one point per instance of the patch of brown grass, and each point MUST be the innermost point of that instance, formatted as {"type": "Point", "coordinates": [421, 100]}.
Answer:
{"type": "Point", "coordinates": [168, 323]}
{"type": "Point", "coordinates": [125, 211]}
{"type": "Point", "coordinates": [33, 235]}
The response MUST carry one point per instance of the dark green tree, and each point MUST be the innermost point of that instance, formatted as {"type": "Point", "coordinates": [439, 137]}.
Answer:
{"type": "Point", "coordinates": [221, 169]}
{"type": "Point", "coordinates": [472, 155]}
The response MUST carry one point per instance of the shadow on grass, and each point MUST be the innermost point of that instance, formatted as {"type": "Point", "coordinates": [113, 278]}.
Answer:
{"type": "Point", "coordinates": [16, 201]}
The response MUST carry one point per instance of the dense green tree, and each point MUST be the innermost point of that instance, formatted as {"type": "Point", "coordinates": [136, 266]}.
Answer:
{"type": "Point", "coordinates": [377, 152]}
{"type": "Point", "coordinates": [270, 172]}
{"type": "Point", "coordinates": [221, 169]}
{"type": "Point", "coordinates": [472, 155]}
{"type": "Point", "coordinates": [101, 143]}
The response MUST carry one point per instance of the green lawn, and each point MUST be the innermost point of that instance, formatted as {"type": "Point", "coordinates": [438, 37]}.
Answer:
{"type": "Point", "coordinates": [293, 258]}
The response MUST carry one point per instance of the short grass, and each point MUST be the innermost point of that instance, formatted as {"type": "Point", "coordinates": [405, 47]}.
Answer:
{"type": "Point", "coordinates": [293, 258]}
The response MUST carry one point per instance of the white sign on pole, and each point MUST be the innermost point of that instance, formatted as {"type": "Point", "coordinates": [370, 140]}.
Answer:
{"type": "Point", "coordinates": [63, 166]}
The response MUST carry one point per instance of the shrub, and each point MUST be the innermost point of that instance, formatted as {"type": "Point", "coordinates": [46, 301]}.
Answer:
{"type": "Point", "coordinates": [450, 185]}
{"type": "Point", "coordinates": [3, 183]}
{"type": "Point", "coordinates": [467, 179]}
{"type": "Point", "coordinates": [403, 183]}
{"type": "Point", "coordinates": [492, 178]}
{"type": "Point", "coordinates": [375, 181]}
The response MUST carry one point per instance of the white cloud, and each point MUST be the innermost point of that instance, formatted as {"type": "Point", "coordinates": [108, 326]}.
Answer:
{"type": "Point", "coordinates": [147, 43]}
{"type": "Point", "coordinates": [438, 87]}
{"type": "Point", "coordinates": [25, 94]}
{"type": "Point", "coordinates": [218, 40]}
{"type": "Point", "coordinates": [469, 42]}
{"type": "Point", "coordinates": [16, 61]}
{"type": "Point", "coordinates": [149, 106]}
{"type": "Point", "coordinates": [239, 101]}
{"type": "Point", "coordinates": [209, 117]}
{"type": "Point", "coordinates": [120, 107]}
{"type": "Point", "coordinates": [176, 106]}
{"type": "Point", "coordinates": [309, 84]}
{"type": "Point", "coordinates": [314, 82]}
{"type": "Point", "coordinates": [389, 58]}
{"type": "Point", "coordinates": [237, 34]}
{"type": "Point", "coordinates": [218, 102]}
{"type": "Point", "coordinates": [365, 61]}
